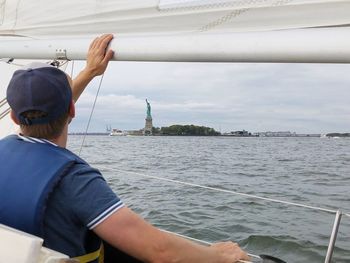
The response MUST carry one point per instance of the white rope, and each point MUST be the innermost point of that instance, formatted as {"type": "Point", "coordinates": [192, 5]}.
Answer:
{"type": "Point", "coordinates": [5, 113]}
{"type": "Point", "coordinates": [233, 192]}
{"type": "Point", "coordinates": [189, 238]}
{"type": "Point", "coordinates": [6, 60]}
{"type": "Point", "coordinates": [72, 69]}
{"type": "Point", "coordinates": [3, 102]}
{"type": "Point", "coordinates": [10, 61]}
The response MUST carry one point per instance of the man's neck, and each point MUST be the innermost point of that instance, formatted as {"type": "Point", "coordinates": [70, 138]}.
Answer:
{"type": "Point", "coordinates": [61, 140]}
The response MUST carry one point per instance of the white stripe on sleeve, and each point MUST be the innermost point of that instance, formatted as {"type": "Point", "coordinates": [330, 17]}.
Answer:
{"type": "Point", "coordinates": [105, 214]}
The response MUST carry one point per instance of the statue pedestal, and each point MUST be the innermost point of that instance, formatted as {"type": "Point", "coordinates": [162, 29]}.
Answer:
{"type": "Point", "coordinates": [148, 127]}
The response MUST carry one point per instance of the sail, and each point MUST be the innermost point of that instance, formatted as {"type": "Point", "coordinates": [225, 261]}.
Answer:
{"type": "Point", "coordinates": [48, 18]}
{"type": "Point", "coordinates": [180, 30]}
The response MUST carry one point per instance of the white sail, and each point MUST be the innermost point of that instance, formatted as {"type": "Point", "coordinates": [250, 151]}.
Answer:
{"type": "Point", "coordinates": [181, 30]}
{"type": "Point", "coordinates": [48, 18]}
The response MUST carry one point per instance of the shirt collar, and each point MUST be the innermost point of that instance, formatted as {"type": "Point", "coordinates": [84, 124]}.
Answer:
{"type": "Point", "coordinates": [35, 140]}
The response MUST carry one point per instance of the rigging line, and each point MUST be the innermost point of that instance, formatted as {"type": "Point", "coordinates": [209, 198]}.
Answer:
{"type": "Point", "coordinates": [10, 62]}
{"type": "Point", "coordinates": [187, 237]}
{"type": "Point", "coordinates": [4, 113]}
{"type": "Point", "coordinates": [232, 192]}
{"type": "Point", "coordinates": [3, 102]}
{"type": "Point", "coordinates": [92, 111]}
{"type": "Point", "coordinates": [72, 70]}
{"type": "Point", "coordinates": [6, 60]}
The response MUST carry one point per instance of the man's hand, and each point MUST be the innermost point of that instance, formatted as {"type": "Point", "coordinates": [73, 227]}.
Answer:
{"type": "Point", "coordinates": [96, 63]}
{"type": "Point", "coordinates": [98, 55]}
{"type": "Point", "coordinates": [128, 232]}
{"type": "Point", "coordinates": [229, 252]}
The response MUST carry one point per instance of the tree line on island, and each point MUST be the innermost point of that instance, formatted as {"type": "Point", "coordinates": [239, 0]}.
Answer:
{"type": "Point", "coordinates": [194, 130]}
{"type": "Point", "coordinates": [185, 130]}
{"type": "Point", "coordinates": [335, 134]}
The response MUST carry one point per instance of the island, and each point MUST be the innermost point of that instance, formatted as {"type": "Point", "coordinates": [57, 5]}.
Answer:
{"type": "Point", "coordinates": [186, 130]}
{"type": "Point", "coordinates": [335, 134]}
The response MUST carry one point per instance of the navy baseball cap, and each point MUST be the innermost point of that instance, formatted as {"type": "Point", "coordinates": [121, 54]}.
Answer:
{"type": "Point", "coordinates": [39, 87]}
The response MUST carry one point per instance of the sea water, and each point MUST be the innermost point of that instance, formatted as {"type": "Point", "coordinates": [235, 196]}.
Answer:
{"type": "Point", "coordinates": [310, 171]}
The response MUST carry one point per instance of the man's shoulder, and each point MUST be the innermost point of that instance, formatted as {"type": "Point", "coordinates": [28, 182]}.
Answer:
{"type": "Point", "coordinates": [83, 169]}
{"type": "Point", "coordinates": [80, 174]}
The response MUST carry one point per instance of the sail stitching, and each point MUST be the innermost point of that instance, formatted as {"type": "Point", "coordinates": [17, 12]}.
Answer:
{"type": "Point", "coordinates": [223, 19]}
{"type": "Point", "coordinates": [237, 4]}
{"type": "Point", "coordinates": [236, 13]}
{"type": "Point", "coordinates": [199, 6]}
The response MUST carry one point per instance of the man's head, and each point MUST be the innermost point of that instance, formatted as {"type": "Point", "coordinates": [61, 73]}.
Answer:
{"type": "Point", "coordinates": [40, 97]}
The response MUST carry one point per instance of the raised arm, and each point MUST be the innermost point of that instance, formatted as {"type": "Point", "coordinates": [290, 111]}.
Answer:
{"type": "Point", "coordinates": [96, 63]}
{"type": "Point", "coordinates": [133, 235]}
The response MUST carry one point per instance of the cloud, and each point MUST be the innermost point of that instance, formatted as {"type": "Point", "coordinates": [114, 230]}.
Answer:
{"type": "Point", "coordinates": [257, 97]}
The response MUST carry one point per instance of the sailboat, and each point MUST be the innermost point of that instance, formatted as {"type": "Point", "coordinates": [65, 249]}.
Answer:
{"type": "Point", "coordinates": [283, 31]}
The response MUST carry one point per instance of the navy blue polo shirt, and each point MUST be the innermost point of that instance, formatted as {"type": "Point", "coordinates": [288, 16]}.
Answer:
{"type": "Point", "coordinates": [80, 202]}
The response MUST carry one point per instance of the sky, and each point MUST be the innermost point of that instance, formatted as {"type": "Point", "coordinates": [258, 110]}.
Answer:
{"type": "Point", "coordinates": [302, 98]}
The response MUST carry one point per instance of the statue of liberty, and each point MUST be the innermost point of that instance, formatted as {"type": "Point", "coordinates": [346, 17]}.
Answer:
{"type": "Point", "coordinates": [148, 130]}
{"type": "Point", "coordinates": [149, 116]}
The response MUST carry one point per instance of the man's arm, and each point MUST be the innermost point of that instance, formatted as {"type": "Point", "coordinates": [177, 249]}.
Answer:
{"type": "Point", "coordinates": [96, 64]}
{"type": "Point", "coordinates": [128, 232]}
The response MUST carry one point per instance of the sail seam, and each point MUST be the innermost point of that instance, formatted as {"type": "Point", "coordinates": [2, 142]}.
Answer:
{"type": "Point", "coordinates": [196, 6]}
{"type": "Point", "coordinates": [16, 18]}
{"type": "Point", "coordinates": [2, 11]}
{"type": "Point", "coordinates": [237, 4]}
{"type": "Point", "coordinates": [236, 13]}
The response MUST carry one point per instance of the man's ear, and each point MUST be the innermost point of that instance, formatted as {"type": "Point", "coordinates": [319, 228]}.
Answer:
{"type": "Point", "coordinates": [13, 117]}
{"type": "Point", "coordinates": [72, 109]}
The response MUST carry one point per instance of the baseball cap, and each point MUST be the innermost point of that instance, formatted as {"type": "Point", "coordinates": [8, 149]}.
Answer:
{"type": "Point", "coordinates": [39, 87]}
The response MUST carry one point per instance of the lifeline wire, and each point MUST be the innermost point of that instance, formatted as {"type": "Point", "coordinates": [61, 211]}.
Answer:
{"type": "Point", "coordinates": [92, 111]}
{"type": "Point", "coordinates": [207, 243]}
{"type": "Point", "coordinates": [233, 192]}
{"type": "Point", "coordinates": [203, 242]}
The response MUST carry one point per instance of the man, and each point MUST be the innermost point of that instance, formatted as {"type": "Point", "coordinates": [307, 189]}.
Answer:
{"type": "Point", "coordinates": [52, 193]}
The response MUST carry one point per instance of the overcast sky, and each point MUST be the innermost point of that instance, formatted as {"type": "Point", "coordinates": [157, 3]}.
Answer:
{"type": "Point", "coordinates": [305, 98]}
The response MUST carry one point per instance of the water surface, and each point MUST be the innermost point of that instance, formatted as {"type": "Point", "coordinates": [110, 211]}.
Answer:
{"type": "Point", "coordinates": [312, 171]}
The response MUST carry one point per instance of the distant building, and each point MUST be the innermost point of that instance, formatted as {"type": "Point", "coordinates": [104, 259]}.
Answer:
{"type": "Point", "coordinates": [238, 133]}
{"type": "Point", "coordinates": [136, 132]}
{"type": "Point", "coordinates": [277, 134]}
{"type": "Point", "coordinates": [285, 134]}
{"type": "Point", "coordinates": [309, 135]}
